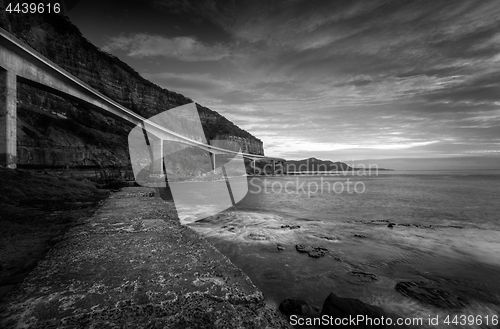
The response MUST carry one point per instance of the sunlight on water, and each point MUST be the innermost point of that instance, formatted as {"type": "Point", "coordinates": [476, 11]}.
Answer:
{"type": "Point", "coordinates": [446, 233]}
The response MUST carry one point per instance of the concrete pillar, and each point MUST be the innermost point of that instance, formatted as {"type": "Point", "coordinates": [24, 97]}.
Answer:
{"type": "Point", "coordinates": [162, 161]}
{"type": "Point", "coordinates": [8, 119]}
{"type": "Point", "coordinates": [212, 156]}
{"type": "Point", "coordinates": [254, 166]}
{"type": "Point", "coordinates": [274, 167]}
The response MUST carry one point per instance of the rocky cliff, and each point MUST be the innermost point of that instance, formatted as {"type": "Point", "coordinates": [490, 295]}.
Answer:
{"type": "Point", "coordinates": [313, 164]}
{"type": "Point", "coordinates": [53, 131]}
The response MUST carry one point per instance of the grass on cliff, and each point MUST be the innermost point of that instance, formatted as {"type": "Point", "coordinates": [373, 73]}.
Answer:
{"type": "Point", "coordinates": [24, 195]}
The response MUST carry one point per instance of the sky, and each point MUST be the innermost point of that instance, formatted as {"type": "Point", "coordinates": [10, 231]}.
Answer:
{"type": "Point", "coordinates": [410, 84]}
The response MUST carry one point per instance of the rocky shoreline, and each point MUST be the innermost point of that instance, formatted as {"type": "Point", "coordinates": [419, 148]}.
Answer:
{"type": "Point", "coordinates": [132, 264]}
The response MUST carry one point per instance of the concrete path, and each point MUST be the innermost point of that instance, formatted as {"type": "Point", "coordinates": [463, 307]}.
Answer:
{"type": "Point", "coordinates": [132, 265]}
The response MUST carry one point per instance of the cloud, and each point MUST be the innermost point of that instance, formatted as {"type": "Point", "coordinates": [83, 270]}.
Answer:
{"type": "Point", "coordinates": [392, 77]}
{"type": "Point", "coordinates": [182, 48]}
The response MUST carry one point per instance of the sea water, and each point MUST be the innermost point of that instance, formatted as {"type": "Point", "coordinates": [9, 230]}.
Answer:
{"type": "Point", "coordinates": [446, 231]}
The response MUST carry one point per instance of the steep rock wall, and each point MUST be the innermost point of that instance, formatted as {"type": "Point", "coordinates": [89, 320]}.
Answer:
{"type": "Point", "coordinates": [53, 131]}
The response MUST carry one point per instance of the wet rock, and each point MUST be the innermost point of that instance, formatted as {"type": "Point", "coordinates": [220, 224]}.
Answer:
{"type": "Point", "coordinates": [428, 293]}
{"type": "Point", "coordinates": [326, 238]}
{"type": "Point", "coordinates": [364, 276]}
{"type": "Point", "coordinates": [410, 225]}
{"type": "Point", "coordinates": [97, 279]}
{"type": "Point", "coordinates": [338, 307]}
{"type": "Point", "coordinates": [431, 226]}
{"type": "Point", "coordinates": [360, 236]}
{"type": "Point", "coordinates": [257, 237]}
{"type": "Point", "coordinates": [291, 227]}
{"type": "Point", "coordinates": [315, 252]}
{"type": "Point", "coordinates": [297, 307]}
{"type": "Point", "coordinates": [280, 247]}
{"type": "Point", "coordinates": [391, 225]}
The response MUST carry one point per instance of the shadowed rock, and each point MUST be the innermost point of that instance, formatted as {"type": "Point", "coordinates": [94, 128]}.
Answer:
{"type": "Point", "coordinates": [341, 308]}
{"type": "Point", "coordinates": [427, 293]}
{"type": "Point", "coordinates": [132, 265]}
{"type": "Point", "coordinates": [291, 227]}
{"type": "Point", "coordinates": [315, 252]}
{"type": "Point", "coordinates": [364, 277]}
{"type": "Point", "coordinates": [298, 307]}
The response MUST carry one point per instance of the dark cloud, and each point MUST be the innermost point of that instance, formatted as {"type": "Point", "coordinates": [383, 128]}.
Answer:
{"type": "Point", "coordinates": [483, 88]}
{"type": "Point", "coordinates": [385, 78]}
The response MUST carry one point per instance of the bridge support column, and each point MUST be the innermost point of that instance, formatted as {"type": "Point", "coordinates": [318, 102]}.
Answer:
{"type": "Point", "coordinates": [212, 160]}
{"type": "Point", "coordinates": [8, 119]}
{"type": "Point", "coordinates": [254, 166]}
{"type": "Point", "coordinates": [162, 160]}
{"type": "Point", "coordinates": [274, 167]}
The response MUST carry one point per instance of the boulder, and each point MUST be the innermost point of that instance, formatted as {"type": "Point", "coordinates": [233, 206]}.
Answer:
{"type": "Point", "coordinates": [297, 307]}
{"type": "Point", "coordinates": [291, 227]}
{"type": "Point", "coordinates": [315, 252]}
{"type": "Point", "coordinates": [341, 308]}
{"type": "Point", "coordinates": [364, 276]}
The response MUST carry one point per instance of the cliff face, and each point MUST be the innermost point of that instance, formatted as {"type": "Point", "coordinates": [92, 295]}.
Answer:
{"type": "Point", "coordinates": [218, 127]}
{"type": "Point", "coordinates": [53, 131]}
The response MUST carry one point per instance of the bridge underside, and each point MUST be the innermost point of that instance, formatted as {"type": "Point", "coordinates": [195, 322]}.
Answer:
{"type": "Point", "coordinates": [20, 63]}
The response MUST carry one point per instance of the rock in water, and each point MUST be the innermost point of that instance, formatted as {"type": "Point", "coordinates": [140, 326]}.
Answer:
{"type": "Point", "coordinates": [426, 292]}
{"type": "Point", "coordinates": [297, 307]}
{"type": "Point", "coordinates": [280, 247]}
{"type": "Point", "coordinates": [291, 227]}
{"type": "Point", "coordinates": [340, 308]}
{"type": "Point", "coordinates": [364, 277]}
{"type": "Point", "coordinates": [315, 252]}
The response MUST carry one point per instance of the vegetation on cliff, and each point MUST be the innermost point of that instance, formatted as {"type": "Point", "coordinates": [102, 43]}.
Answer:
{"type": "Point", "coordinates": [313, 164]}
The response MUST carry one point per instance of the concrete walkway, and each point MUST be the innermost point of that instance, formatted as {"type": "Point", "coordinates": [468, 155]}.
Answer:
{"type": "Point", "coordinates": [132, 265]}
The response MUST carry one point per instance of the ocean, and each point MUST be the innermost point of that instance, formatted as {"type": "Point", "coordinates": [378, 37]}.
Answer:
{"type": "Point", "coordinates": [445, 232]}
